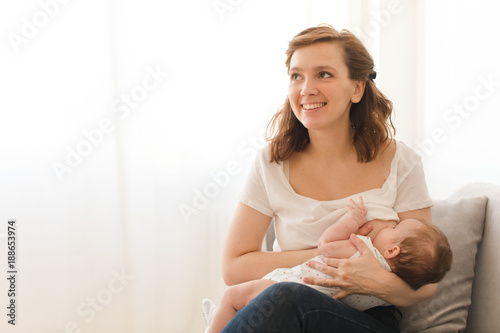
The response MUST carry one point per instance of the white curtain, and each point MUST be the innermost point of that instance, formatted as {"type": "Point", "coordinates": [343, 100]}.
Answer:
{"type": "Point", "coordinates": [460, 138]}
{"type": "Point", "coordinates": [438, 63]}
{"type": "Point", "coordinates": [127, 128]}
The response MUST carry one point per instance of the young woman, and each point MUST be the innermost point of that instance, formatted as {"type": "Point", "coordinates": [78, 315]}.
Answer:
{"type": "Point", "coordinates": [330, 142]}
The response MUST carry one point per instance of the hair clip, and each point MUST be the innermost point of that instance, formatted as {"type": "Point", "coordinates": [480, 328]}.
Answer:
{"type": "Point", "coordinates": [372, 76]}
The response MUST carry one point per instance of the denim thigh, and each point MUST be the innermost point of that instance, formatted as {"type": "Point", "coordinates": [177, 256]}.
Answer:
{"type": "Point", "coordinates": [293, 308]}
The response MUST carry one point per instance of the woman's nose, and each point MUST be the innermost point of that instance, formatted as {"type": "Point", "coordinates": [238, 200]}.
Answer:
{"type": "Point", "coordinates": [309, 88]}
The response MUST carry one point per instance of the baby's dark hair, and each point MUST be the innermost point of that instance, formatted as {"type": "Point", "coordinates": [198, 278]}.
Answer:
{"type": "Point", "coordinates": [425, 257]}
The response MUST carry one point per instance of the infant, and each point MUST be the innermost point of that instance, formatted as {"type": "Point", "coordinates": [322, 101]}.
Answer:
{"type": "Point", "coordinates": [418, 252]}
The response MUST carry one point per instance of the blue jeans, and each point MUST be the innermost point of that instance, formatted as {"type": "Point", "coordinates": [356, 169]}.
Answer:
{"type": "Point", "coordinates": [293, 308]}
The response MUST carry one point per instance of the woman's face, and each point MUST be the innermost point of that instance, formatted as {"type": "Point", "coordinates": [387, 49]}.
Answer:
{"type": "Point", "coordinates": [320, 90]}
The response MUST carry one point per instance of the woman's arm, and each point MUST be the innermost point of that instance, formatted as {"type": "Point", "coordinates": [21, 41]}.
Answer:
{"type": "Point", "coordinates": [364, 275]}
{"type": "Point", "coordinates": [243, 258]}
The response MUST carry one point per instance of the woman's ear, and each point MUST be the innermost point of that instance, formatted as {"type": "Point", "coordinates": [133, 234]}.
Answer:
{"type": "Point", "coordinates": [392, 252]}
{"type": "Point", "coordinates": [359, 90]}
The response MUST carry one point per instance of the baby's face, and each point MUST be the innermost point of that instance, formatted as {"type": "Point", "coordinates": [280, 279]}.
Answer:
{"type": "Point", "coordinates": [390, 236]}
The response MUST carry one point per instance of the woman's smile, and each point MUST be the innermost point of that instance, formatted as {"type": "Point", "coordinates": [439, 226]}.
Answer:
{"type": "Point", "coordinates": [312, 106]}
{"type": "Point", "coordinates": [319, 81]}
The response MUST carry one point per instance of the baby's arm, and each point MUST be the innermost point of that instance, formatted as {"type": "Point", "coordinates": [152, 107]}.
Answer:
{"type": "Point", "coordinates": [334, 242]}
{"type": "Point", "coordinates": [348, 224]}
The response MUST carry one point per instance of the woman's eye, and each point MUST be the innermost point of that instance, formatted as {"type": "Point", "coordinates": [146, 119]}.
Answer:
{"type": "Point", "coordinates": [295, 76]}
{"type": "Point", "coordinates": [324, 75]}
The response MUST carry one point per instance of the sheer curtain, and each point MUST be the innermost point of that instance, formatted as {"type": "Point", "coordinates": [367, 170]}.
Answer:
{"type": "Point", "coordinates": [438, 64]}
{"type": "Point", "coordinates": [58, 171]}
{"type": "Point", "coordinates": [460, 137]}
{"type": "Point", "coordinates": [127, 129]}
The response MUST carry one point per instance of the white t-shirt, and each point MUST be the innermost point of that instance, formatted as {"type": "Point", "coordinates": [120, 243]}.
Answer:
{"type": "Point", "coordinates": [299, 221]}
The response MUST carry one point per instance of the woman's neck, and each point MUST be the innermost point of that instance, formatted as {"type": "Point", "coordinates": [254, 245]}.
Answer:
{"type": "Point", "coordinates": [329, 146]}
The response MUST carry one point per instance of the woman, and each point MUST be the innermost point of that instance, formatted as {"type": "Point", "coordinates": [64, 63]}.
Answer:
{"type": "Point", "coordinates": [330, 141]}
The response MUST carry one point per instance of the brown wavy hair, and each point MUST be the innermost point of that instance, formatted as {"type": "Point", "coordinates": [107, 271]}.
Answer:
{"type": "Point", "coordinates": [370, 118]}
{"type": "Point", "coordinates": [425, 257]}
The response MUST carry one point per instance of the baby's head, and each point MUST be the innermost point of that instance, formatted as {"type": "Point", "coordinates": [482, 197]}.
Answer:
{"type": "Point", "coordinates": [418, 252]}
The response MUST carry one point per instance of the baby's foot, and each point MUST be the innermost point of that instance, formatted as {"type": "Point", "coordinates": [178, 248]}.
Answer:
{"type": "Point", "coordinates": [208, 308]}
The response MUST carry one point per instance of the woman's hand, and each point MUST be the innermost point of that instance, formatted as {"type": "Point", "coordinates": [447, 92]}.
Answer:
{"type": "Point", "coordinates": [364, 275]}
{"type": "Point", "coordinates": [353, 276]}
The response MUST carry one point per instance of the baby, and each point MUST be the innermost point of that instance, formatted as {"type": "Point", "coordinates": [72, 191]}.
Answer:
{"type": "Point", "coordinates": [418, 252]}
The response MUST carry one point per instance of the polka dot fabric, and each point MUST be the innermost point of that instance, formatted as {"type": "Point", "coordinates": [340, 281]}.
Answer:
{"type": "Point", "coordinates": [297, 273]}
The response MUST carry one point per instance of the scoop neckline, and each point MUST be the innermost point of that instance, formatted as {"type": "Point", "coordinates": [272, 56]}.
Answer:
{"type": "Point", "coordinates": [285, 179]}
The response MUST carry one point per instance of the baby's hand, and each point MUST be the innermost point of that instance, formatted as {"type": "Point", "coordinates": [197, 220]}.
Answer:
{"type": "Point", "coordinates": [357, 212]}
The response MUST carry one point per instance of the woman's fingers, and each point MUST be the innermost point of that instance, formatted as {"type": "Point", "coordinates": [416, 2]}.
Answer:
{"type": "Point", "coordinates": [332, 281]}
{"type": "Point", "coordinates": [324, 282]}
{"type": "Point", "coordinates": [352, 276]}
{"type": "Point", "coordinates": [360, 245]}
{"type": "Point", "coordinates": [331, 263]}
{"type": "Point", "coordinates": [340, 294]}
{"type": "Point", "coordinates": [330, 269]}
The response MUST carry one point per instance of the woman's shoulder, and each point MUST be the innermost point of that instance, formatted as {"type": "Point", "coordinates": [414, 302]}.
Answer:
{"type": "Point", "coordinates": [406, 155]}
{"type": "Point", "coordinates": [262, 158]}
{"type": "Point", "coordinates": [263, 154]}
{"type": "Point", "coordinates": [388, 150]}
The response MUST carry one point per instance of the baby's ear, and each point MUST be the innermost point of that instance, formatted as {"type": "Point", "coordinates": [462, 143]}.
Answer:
{"type": "Point", "coordinates": [392, 252]}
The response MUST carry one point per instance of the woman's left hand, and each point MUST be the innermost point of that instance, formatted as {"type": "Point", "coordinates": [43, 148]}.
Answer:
{"type": "Point", "coordinates": [352, 276]}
